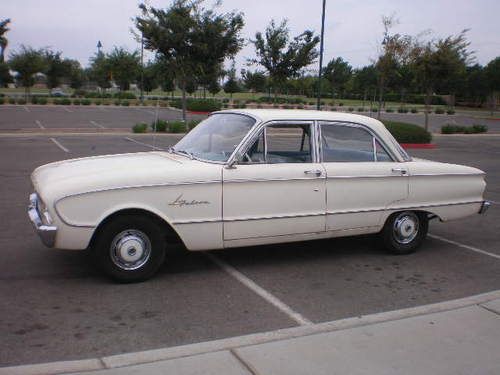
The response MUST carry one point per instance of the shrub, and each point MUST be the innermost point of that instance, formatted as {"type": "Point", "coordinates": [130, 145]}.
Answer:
{"type": "Point", "coordinates": [192, 124]}
{"type": "Point", "coordinates": [225, 100]}
{"type": "Point", "coordinates": [104, 102]}
{"type": "Point", "coordinates": [159, 126]}
{"type": "Point", "coordinates": [116, 102]}
{"type": "Point", "coordinates": [350, 109]}
{"type": "Point", "coordinates": [79, 93]}
{"type": "Point", "coordinates": [42, 101]}
{"type": "Point", "coordinates": [97, 102]}
{"type": "Point", "coordinates": [125, 103]}
{"type": "Point", "coordinates": [341, 104]}
{"type": "Point", "coordinates": [21, 101]}
{"type": "Point", "coordinates": [361, 109]}
{"type": "Point", "coordinates": [77, 102]}
{"type": "Point", "coordinates": [439, 111]}
{"type": "Point", "coordinates": [450, 111]}
{"type": "Point", "coordinates": [402, 110]}
{"type": "Point", "coordinates": [140, 127]}
{"type": "Point", "coordinates": [479, 128]}
{"type": "Point", "coordinates": [176, 127]}
{"type": "Point", "coordinates": [225, 105]}
{"type": "Point", "coordinates": [374, 109]}
{"type": "Point", "coordinates": [414, 110]}
{"type": "Point", "coordinates": [452, 129]}
{"type": "Point", "coordinates": [12, 100]}
{"type": "Point", "coordinates": [199, 105]}
{"type": "Point", "coordinates": [287, 106]}
{"type": "Point", "coordinates": [333, 109]}
{"type": "Point", "coordinates": [408, 133]}
{"type": "Point", "coordinates": [300, 106]}
{"type": "Point", "coordinates": [86, 101]}
{"type": "Point", "coordinates": [389, 110]}
{"type": "Point", "coordinates": [124, 95]}
{"type": "Point", "coordinates": [2, 100]}
{"type": "Point", "coordinates": [259, 106]}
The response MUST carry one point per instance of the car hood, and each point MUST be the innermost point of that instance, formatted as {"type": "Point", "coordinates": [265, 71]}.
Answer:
{"type": "Point", "coordinates": [76, 176]}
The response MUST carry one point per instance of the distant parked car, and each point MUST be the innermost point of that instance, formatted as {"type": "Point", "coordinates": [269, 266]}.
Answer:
{"type": "Point", "coordinates": [249, 177]}
{"type": "Point", "coordinates": [58, 92]}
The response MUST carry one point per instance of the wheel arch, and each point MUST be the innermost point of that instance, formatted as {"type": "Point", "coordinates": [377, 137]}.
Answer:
{"type": "Point", "coordinates": [171, 233]}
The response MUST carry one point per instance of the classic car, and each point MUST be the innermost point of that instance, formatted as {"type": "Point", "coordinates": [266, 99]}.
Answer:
{"type": "Point", "coordinates": [249, 177]}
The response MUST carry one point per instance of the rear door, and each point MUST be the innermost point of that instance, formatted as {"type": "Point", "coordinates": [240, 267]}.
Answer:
{"type": "Point", "coordinates": [363, 178]}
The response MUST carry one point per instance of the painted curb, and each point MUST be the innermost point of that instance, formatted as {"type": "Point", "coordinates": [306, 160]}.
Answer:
{"type": "Point", "coordinates": [418, 145]}
{"type": "Point", "coordinates": [128, 359]}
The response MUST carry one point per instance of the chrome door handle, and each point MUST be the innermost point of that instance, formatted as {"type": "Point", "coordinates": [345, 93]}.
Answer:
{"type": "Point", "coordinates": [315, 172]}
{"type": "Point", "coordinates": [401, 171]}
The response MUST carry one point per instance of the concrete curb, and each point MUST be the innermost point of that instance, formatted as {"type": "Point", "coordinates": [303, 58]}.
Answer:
{"type": "Point", "coordinates": [128, 359]}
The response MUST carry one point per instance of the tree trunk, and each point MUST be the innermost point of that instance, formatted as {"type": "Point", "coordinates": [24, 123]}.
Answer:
{"type": "Point", "coordinates": [364, 98]}
{"type": "Point", "coordinates": [184, 101]}
{"type": "Point", "coordinates": [428, 95]}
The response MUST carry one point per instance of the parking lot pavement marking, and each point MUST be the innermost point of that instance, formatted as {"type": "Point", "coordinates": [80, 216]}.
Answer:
{"type": "Point", "coordinates": [59, 145]}
{"type": "Point", "coordinates": [463, 246]}
{"type": "Point", "coordinates": [67, 109]}
{"type": "Point", "coordinates": [39, 123]}
{"type": "Point", "coordinates": [144, 144]}
{"type": "Point", "coordinates": [96, 124]}
{"type": "Point", "coordinates": [257, 289]}
{"type": "Point", "coordinates": [26, 108]}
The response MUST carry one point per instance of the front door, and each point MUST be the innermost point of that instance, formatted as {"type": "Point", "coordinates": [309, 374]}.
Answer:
{"type": "Point", "coordinates": [278, 188]}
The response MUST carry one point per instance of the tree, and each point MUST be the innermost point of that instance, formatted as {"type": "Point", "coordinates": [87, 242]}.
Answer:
{"type": "Point", "coordinates": [282, 58]}
{"type": "Point", "coordinates": [365, 81]}
{"type": "Point", "coordinates": [149, 78]}
{"type": "Point", "coordinates": [76, 74]}
{"type": "Point", "coordinates": [337, 72]}
{"type": "Point", "coordinates": [231, 86]}
{"type": "Point", "coordinates": [26, 62]}
{"type": "Point", "coordinates": [256, 81]}
{"type": "Point", "coordinates": [438, 62]}
{"type": "Point", "coordinates": [214, 87]}
{"type": "Point", "coordinates": [493, 76]}
{"type": "Point", "coordinates": [188, 36]}
{"type": "Point", "coordinates": [57, 68]}
{"type": "Point", "coordinates": [124, 66]}
{"type": "Point", "coordinates": [3, 40]}
{"type": "Point", "coordinates": [100, 70]}
{"type": "Point", "coordinates": [396, 49]}
{"type": "Point", "coordinates": [5, 77]}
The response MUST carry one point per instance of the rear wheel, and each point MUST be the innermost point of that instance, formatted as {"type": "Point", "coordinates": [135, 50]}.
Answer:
{"type": "Point", "coordinates": [130, 248]}
{"type": "Point", "coordinates": [404, 231]}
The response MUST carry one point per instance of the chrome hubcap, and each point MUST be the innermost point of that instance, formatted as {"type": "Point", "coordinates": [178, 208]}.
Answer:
{"type": "Point", "coordinates": [130, 249]}
{"type": "Point", "coordinates": [406, 227]}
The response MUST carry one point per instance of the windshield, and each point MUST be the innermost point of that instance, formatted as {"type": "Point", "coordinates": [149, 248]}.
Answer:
{"type": "Point", "coordinates": [216, 137]}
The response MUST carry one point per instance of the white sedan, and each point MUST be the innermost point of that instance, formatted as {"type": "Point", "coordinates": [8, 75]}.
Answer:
{"type": "Point", "coordinates": [249, 177]}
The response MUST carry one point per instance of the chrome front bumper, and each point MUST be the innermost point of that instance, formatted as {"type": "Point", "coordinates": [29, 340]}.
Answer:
{"type": "Point", "coordinates": [484, 207]}
{"type": "Point", "coordinates": [47, 233]}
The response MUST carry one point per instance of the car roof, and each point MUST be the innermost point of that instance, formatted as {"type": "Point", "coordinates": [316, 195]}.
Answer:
{"type": "Point", "coordinates": [265, 115]}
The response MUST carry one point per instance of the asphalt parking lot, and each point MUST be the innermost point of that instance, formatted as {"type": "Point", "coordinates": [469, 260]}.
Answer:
{"type": "Point", "coordinates": [56, 306]}
{"type": "Point", "coordinates": [17, 118]}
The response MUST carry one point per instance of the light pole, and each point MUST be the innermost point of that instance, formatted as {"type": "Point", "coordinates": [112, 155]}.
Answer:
{"type": "Point", "coordinates": [320, 73]}
{"type": "Point", "coordinates": [99, 46]}
{"type": "Point", "coordinates": [142, 68]}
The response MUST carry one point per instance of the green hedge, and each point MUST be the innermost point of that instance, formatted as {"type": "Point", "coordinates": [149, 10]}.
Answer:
{"type": "Point", "coordinates": [407, 133]}
{"type": "Point", "coordinates": [199, 105]}
{"type": "Point", "coordinates": [140, 127]}
{"type": "Point", "coordinates": [457, 129]}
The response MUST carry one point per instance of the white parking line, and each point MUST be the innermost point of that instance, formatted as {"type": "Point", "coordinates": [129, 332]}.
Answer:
{"type": "Point", "coordinates": [257, 289]}
{"type": "Point", "coordinates": [144, 144]}
{"type": "Point", "coordinates": [467, 247]}
{"type": "Point", "coordinates": [67, 109]}
{"type": "Point", "coordinates": [59, 145]}
{"type": "Point", "coordinates": [96, 124]}
{"type": "Point", "coordinates": [26, 108]}
{"type": "Point", "coordinates": [39, 123]}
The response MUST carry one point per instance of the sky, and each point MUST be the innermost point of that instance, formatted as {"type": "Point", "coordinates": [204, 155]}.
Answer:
{"type": "Point", "coordinates": [353, 29]}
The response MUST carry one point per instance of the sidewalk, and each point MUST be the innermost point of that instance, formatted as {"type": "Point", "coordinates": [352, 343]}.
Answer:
{"type": "Point", "coordinates": [453, 337]}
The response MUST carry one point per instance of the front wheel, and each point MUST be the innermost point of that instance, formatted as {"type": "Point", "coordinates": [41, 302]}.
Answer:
{"type": "Point", "coordinates": [130, 248]}
{"type": "Point", "coordinates": [404, 232]}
